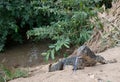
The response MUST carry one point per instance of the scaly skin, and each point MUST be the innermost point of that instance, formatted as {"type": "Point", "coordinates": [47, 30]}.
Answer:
{"type": "Point", "coordinates": [67, 61]}
{"type": "Point", "coordinates": [81, 58]}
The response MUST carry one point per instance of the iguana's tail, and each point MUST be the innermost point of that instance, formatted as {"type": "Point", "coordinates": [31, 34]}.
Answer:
{"type": "Point", "coordinates": [111, 61]}
{"type": "Point", "coordinates": [101, 60]}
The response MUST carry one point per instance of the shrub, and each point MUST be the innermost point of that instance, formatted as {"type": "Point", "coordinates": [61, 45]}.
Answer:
{"type": "Point", "coordinates": [72, 23]}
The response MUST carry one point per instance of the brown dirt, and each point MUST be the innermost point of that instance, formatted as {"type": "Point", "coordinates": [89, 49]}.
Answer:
{"type": "Point", "coordinates": [98, 73]}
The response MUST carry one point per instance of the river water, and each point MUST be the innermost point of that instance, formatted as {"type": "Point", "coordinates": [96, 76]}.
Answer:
{"type": "Point", "coordinates": [24, 55]}
{"type": "Point", "coordinates": [28, 55]}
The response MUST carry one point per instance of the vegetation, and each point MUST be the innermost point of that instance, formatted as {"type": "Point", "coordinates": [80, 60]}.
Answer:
{"type": "Point", "coordinates": [71, 24]}
{"type": "Point", "coordinates": [63, 21]}
{"type": "Point", "coordinates": [9, 75]}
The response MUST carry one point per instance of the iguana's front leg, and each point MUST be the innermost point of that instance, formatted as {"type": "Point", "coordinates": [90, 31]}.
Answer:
{"type": "Point", "coordinates": [75, 61]}
{"type": "Point", "coordinates": [79, 64]}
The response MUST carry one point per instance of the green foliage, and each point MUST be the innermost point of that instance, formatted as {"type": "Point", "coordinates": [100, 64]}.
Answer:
{"type": "Point", "coordinates": [2, 79]}
{"type": "Point", "coordinates": [6, 72]}
{"type": "Point", "coordinates": [20, 73]}
{"type": "Point", "coordinates": [65, 55]}
{"type": "Point", "coordinates": [63, 21]}
{"type": "Point", "coordinates": [18, 16]}
{"type": "Point", "coordinates": [9, 75]}
{"type": "Point", "coordinates": [72, 24]}
{"type": "Point", "coordinates": [56, 47]}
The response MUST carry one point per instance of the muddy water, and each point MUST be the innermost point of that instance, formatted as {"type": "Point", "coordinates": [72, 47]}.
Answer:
{"type": "Point", "coordinates": [24, 55]}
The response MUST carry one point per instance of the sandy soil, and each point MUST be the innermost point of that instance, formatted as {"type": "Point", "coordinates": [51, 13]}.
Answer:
{"type": "Point", "coordinates": [98, 73]}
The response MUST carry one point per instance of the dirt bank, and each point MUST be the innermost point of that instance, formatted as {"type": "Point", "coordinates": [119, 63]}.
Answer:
{"type": "Point", "coordinates": [98, 73]}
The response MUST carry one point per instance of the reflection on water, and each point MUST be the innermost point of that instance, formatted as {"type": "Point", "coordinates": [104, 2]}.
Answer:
{"type": "Point", "coordinates": [34, 53]}
{"type": "Point", "coordinates": [24, 55]}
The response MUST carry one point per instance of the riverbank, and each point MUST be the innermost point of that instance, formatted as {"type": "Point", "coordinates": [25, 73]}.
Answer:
{"type": "Point", "coordinates": [98, 73]}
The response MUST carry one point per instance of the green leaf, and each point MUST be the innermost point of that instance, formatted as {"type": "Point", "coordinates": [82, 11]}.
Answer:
{"type": "Point", "coordinates": [47, 56]}
{"type": "Point", "coordinates": [53, 54]}
{"type": "Point", "coordinates": [44, 54]}
{"type": "Point", "coordinates": [66, 45]}
{"type": "Point", "coordinates": [51, 46]}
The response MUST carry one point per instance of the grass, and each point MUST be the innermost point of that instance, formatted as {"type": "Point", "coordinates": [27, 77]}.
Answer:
{"type": "Point", "coordinates": [7, 74]}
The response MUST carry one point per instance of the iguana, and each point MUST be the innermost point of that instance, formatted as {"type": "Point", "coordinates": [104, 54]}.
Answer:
{"type": "Point", "coordinates": [67, 61]}
{"type": "Point", "coordinates": [82, 57]}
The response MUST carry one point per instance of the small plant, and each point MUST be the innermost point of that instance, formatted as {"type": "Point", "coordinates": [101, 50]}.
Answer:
{"type": "Point", "coordinates": [2, 79]}
{"type": "Point", "coordinates": [9, 75]}
{"type": "Point", "coordinates": [20, 73]}
{"type": "Point", "coordinates": [108, 81]}
{"type": "Point", "coordinates": [65, 55]}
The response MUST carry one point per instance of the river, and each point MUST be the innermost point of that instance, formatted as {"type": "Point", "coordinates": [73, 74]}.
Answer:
{"type": "Point", "coordinates": [24, 55]}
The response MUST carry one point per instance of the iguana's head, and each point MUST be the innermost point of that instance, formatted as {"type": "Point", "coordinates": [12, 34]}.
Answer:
{"type": "Point", "coordinates": [82, 50]}
{"type": "Point", "coordinates": [57, 66]}
{"type": "Point", "coordinates": [50, 70]}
